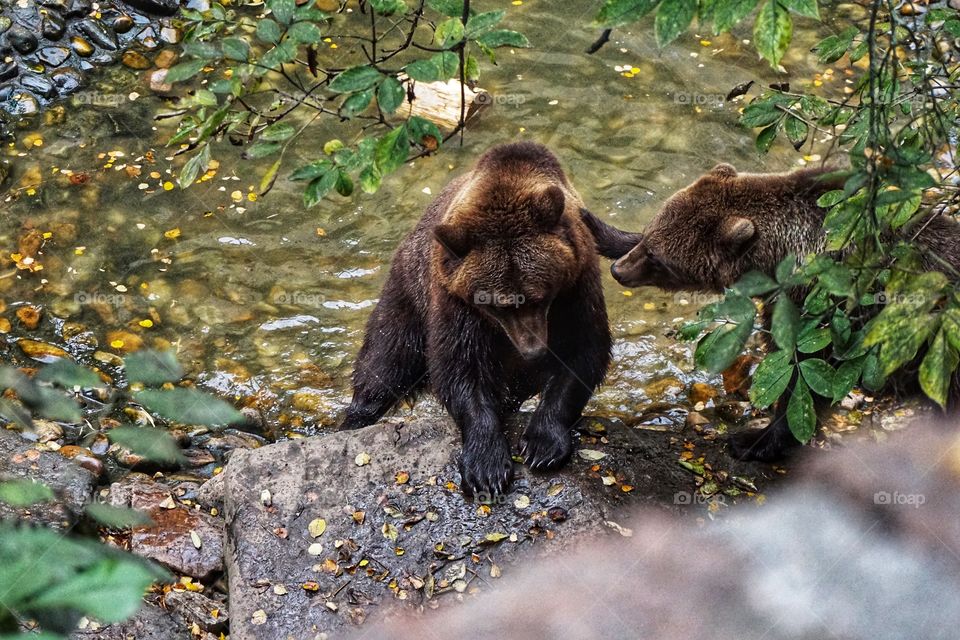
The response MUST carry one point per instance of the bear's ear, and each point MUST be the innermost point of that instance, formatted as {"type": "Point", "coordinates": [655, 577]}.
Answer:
{"type": "Point", "coordinates": [453, 238]}
{"type": "Point", "coordinates": [549, 205]}
{"type": "Point", "coordinates": [724, 170]}
{"type": "Point", "coordinates": [736, 230]}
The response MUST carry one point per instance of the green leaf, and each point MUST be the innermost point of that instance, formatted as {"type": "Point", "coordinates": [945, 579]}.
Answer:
{"type": "Point", "coordinates": [150, 443]}
{"type": "Point", "coordinates": [873, 376]}
{"type": "Point", "coordinates": [772, 31]}
{"type": "Point", "coordinates": [304, 33]}
{"type": "Point", "coordinates": [831, 49]}
{"type": "Point", "coordinates": [951, 326]}
{"type": "Point", "coordinates": [483, 21]}
{"type": "Point", "coordinates": [188, 406]}
{"type": "Point", "coordinates": [673, 18]}
{"type": "Point", "coordinates": [615, 13]}
{"type": "Point", "coordinates": [355, 79]}
{"type": "Point", "coordinates": [184, 71]}
{"type": "Point", "coordinates": [448, 33]}
{"type": "Point", "coordinates": [936, 370]}
{"type": "Point", "coordinates": [262, 149]}
{"type": "Point", "coordinates": [760, 113]}
{"type": "Point", "coordinates": [754, 283]}
{"type": "Point", "coordinates": [111, 590]}
{"type": "Point", "coordinates": [447, 7]}
{"type": "Point", "coordinates": [771, 379]}
{"type": "Point", "coordinates": [313, 170]}
{"type": "Point", "coordinates": [392, 150]}
{"type": "Point", "coordinates": [728, 13]}
{"type": "Point", "coordinates": [277, 132]}
{"type": "Point", "coordinates": [390, 95]}
{"type": "Point", "coordinates": [117, 517]}
{"type": "Point", "coordinates": [24, 492]}
{"type": "Point", "coordinates": [194, 166]}
{"type": "Point", "coordinates": [785, 324]}
{"type": "Point", "coordinates": [203, 50]}
{"type": "Point", "coordinates": [235, 49]}
{"type": "Point", "coordinates": [53, 404]}
{"type": "Point", "coordinates": [796, 130]}
{"type": "Point", "coordinates": [421, 130]}
{"type": "Point", "coordinates": [356, 103]}
{"type": "Point", "coordinates": [69, 374]}
{"type": "Point", "coordinates": [831, 198]}
{"type": "Point", "coordinates": [423, 70]}
{"type": "Point", "coordinates": [806, 8]}
{"type": "Point", "coordinates": [801, 416]}
{"type": "Point", "coordinates": [152, 367]}
{"type": "Point", "coordinates": [370, 179]}
{"type": "Point", "coordinates": [766, 137]}
{"type": "Point", "coordinates": [813, 338]}
{"type": "Point", "coordinates": [320, 187]}
{"type": "Point", "coordinates": [503, 38]}
{"type": "Point", "coordinates": [720, 348]}
{"type": "Point", "coordinates": [786, 269]}
{"type": "Point", "coordinates": [281, 54]}
{"type": "Point", "coordinates": [388, 7]}
{"type": "Point", "coordinates": [846, 378]}
{"type": "Point", "coordinates": [268, 31]}
{"type": "Point", "coordinates": [819, 375]}
{"type": "Point", "coordinates": [282, 10]}
{"type": "Point", "coordinates": [344, 185]}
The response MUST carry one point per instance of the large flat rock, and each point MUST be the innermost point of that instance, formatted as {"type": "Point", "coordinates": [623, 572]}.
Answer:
{"type": "Point", "coordinates": [397, 531]}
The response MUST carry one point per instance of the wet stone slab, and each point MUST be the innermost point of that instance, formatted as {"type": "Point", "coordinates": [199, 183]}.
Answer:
{"type": "Point", "coordinates": [72, 485]}
{"type": "Point", "coordinates": [324, 534]}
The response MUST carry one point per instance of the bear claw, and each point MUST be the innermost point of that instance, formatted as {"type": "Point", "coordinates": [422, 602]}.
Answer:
{"type": "Point", "coordinates": [546, 450]}
{"type": "Point", "coordinates": [486, 472]}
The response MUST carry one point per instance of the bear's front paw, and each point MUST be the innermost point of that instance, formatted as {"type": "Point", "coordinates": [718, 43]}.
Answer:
{"type": "Point", "coordinates": [486, 470]}
{"type": "Point", "coordinates": [761, 445]}
{"type": "Point", "coordinates": [546, 447]}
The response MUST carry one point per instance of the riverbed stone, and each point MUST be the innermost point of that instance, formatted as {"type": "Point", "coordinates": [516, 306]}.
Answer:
{"type": "Point", "coordinates": [185, 540]}
{"type": "Point", "coordinates": [71, 484]}
{"type": "Point", "coordinates": [156, 7]}
{"type": "Point", "coordinates": [53, 56]}
{"type": "Point", "coordinates": [324, 533]}
{"type": "Point", "coordinates": [53, 26]}
{"type": "Point", "coordinates": [21, 39]}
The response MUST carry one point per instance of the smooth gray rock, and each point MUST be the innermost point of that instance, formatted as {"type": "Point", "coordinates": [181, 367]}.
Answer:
{"type": "Point", "coordinates": [390, 544]}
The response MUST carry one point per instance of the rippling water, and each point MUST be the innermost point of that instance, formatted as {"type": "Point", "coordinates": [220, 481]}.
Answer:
{"type": "Point", "coordinates": [267, 301]}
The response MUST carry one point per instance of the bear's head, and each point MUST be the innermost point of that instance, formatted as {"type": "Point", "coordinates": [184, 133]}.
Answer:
{"type": "Point", "coordinates": [699, 241]}
{"type": "Point", "coordinates": [507, 247]}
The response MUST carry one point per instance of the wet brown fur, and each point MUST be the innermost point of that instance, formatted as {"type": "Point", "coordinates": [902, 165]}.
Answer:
{"type": "Point", "coordinates": [726, 224]}
{"type": "Point", "coordinates": [493, 298]}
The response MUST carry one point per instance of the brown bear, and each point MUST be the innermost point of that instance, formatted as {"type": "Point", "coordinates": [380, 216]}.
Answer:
{"type": "Point", "coordinates": [493, 298]}
{"type": "Point", "coordinates": [725, 224]}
